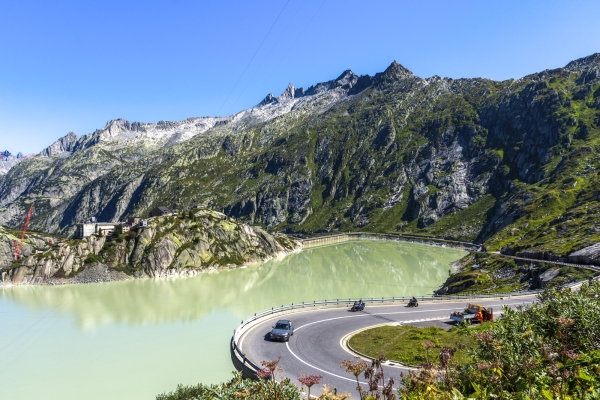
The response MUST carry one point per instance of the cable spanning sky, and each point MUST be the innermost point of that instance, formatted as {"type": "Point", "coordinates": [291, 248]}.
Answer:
{"type": "Point", "coordinates": [72, 66]}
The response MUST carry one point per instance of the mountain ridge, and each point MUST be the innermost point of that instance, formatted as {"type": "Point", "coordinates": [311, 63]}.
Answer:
{"type": "Point", "coordinates": [389, 152]}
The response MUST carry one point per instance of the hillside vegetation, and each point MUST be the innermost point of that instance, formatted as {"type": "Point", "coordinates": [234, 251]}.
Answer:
{"type": "Point", "coordinates": [200, 240]}
{"type": "Point", "coordinates": [511, 164]}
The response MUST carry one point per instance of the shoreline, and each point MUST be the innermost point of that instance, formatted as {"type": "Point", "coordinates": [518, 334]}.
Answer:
{"type": "Point", "coordinates": [101, 273]}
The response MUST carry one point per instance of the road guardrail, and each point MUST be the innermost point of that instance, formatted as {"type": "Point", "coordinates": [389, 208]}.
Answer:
{"type": "Point", "coordinates": [251, 367]}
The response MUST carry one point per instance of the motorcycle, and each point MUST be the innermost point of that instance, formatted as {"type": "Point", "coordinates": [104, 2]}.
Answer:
{"type": "Point", "coordinates": [413, 303]}
{"type": "Point", "coordinates": [358, 306]}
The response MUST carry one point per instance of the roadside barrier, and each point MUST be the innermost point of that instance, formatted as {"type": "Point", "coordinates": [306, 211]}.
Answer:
{"type": "Point", "coordinates": [315, 241]}
{"type": "Point", "coordinates": [249, 368]}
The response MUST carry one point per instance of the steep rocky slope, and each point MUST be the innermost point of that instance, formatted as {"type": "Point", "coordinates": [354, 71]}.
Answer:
{"type": "Point", "coordinates": [513, 164]}
{"type": "Point", "coordinates": [492, 273]}
{"type": "Point", "coordinates": [200, 240]}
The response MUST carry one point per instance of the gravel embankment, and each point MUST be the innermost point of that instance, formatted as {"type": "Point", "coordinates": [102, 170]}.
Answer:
{"type": "Point", "coordinates": [95, 274]}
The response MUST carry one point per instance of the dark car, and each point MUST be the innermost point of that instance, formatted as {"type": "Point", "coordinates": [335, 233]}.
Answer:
{"type": "Point", "coordinates": [282, 330]}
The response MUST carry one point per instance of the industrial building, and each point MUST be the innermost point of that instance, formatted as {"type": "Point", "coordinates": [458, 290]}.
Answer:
{"type": "Point", "coordinates": [87, 229]}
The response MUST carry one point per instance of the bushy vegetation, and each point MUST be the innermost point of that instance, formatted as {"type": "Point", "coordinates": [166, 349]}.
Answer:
{"type": "Point", "coordinates": [492, 273]}
{"type": "Point", "coordinates": [267, 387]}
{"type": "Point", "coordinates": [550, 350]}
{"type": "Point", "coordinates": [237, 388]}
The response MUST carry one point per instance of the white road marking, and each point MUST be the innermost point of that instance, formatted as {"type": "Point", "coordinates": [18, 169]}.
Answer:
{"type": "Point", "coordinates": [319, 369]}
{"type": "Point", "coordinates": [348, 316]}
{"type": "Point", "coordinates": [390, 313]}
{"type": "Point", "coordinates": [355, 316]}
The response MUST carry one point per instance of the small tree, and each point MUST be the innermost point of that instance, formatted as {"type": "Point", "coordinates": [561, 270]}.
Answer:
{"type": "Point", "coordinates": [118, 231]}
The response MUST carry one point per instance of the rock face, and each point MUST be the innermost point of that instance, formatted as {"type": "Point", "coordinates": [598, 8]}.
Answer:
{"type": "Point", "coordinates": [512, 163]}
{"type": "Point", "coordinates": [587, 255]}
{"type": "Point", "coordinates": [65, 144]}
{"type": "Point", "coordinates": [547, 276]}
{"type": "Point", "coordinates": [169, 246]}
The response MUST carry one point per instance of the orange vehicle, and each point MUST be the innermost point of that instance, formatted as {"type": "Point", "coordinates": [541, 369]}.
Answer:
{"type": "Point", "coordinates": [473, 313]}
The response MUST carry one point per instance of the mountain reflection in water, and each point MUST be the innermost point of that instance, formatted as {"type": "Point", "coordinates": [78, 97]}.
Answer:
{"type": "Point", "coordinates": [345, 270]}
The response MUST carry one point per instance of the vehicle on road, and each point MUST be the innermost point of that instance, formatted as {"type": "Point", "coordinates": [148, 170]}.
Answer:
{"type": "Point", "coordinates": [473, 313]}
{"type": "Point", "coordinates": [358, 306]}
{"type": "Point", "coordinates": [282, 330]}
{"type": "Point", "coordinates": [413, 303]}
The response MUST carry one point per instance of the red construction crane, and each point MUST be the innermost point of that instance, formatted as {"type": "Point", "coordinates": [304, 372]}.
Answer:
{"type": "Point", "coordinates": [19, 245]}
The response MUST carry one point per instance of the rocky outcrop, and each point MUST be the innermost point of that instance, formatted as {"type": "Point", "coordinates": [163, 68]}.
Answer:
{"type": "Point", "coordinates": [66, 144]}
{"type": "Point", "coordinates": [169, 246]}
{"type": "Point", "coordinates": [546, 276]}
{"type": "Point", "coordinates": [491, 273]}
{"type": "Point", "coordinates": [587, 255]}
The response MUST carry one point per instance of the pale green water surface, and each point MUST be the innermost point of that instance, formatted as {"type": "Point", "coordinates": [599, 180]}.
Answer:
{"type": "Point", "coordinates": [135, 339]}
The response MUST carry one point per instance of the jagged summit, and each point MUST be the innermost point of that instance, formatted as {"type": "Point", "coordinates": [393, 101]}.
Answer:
{"type": "Point", "coordinates": [398, 69]}
{"type": "Point", "coordinates": [7, 154]}
{"type": "Point", "coordinates": [289, 93]}
{"type": "Point", "coordinates": [590, 61]}
{"type": "Point", "coordinates": [347, 81]}
{"type": "Point", "coordinates": [269, 99]}
{"type": "Point", "coordinates": [66, 143]}
{"type": "Point", "coordinates": [393, 73]}
{"type": "Point", "coordinates": [119, 125]}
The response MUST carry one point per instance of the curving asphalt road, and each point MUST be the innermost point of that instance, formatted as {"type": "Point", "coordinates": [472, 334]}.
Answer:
{"type": "Point", "coordinates": [316, 346]}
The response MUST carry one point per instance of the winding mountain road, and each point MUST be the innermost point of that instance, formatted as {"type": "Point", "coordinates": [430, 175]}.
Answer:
{"type": "Point", "coordinates": [318, 347]}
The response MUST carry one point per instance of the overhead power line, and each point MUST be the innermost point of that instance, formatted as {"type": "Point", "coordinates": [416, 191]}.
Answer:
{"type": "Point", "coordinates": [255, 53]}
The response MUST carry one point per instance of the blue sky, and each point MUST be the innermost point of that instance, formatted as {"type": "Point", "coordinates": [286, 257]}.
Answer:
{"type": "Point", "coordinates": [72, 66]}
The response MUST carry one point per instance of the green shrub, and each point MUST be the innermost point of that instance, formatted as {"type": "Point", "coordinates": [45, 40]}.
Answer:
{"type": "Point", "coordinates": [550, 350]}
{"type": "Point", "coordinates": [92, 258]}
{"type": "Point", "coordinates": [232, 390]}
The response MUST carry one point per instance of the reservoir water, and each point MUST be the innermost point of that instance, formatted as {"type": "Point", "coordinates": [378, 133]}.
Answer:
{"type": "Point", "coordinates": [136, 339]}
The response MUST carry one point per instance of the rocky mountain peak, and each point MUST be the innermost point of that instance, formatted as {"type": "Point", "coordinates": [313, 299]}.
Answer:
{"type": "Point", "coordinates": [6, 153]}
{"type": "Point", "coordinates": [116, 126]}
{"type": "Point", "coordinates": [288, 93]}
{"type": "Point", "coordinates": [589, 62]}
{"type": "Point", "coordinates": [66, 143]}
{"type": "Point", "coordinates": [396, 71]}
{"type": "Point", "coordinates": [20, 155]}
{"type": "Point", "coordinates": [267, 100]}
{"type": "Point", "coordinates": [347, 78]}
